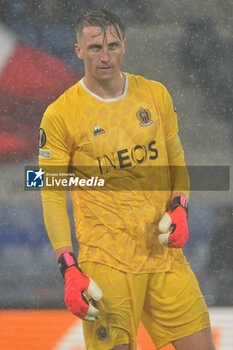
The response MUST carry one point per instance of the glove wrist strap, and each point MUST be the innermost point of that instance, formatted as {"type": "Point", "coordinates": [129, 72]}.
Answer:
{"type": "Point", "coordinates": [179, 201]}
{"type": "Point", "coordinates": [66, 260]}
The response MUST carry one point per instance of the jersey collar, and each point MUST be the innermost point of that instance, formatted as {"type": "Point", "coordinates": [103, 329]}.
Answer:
{"type": "Point", "coordinates": [118, 98]}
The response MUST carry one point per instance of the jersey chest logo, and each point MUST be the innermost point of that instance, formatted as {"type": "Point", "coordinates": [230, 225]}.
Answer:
{"type": "Point", "coordinates": [144, 115]}
{"type": "Point", "coordinates": [102, 332]}
{"type": "Point", "coordinates": [98, 130]}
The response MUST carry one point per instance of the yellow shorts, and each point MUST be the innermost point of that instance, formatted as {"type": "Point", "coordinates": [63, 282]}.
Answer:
{"type": "Point", "coordinates": [169, 304]}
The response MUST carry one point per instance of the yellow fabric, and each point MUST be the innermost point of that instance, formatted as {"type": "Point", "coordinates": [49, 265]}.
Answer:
{"type": "Point", "coordinates": [170, 305]}
{"type": "Point", "coordinates": [115, 228]}
{"type": "Point", "coordinates": [180, 181]}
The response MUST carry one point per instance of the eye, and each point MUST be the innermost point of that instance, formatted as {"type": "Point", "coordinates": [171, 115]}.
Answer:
{"type": "Point", "coordinates": [95, 48]}
{"type": "Point", "coordinates": [113, 46]}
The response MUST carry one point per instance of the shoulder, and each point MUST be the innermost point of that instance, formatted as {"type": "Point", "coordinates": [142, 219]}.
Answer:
{"type": "Point", "coordinates": [140, 80]}
{"type": "Point", "coordinates": [154, 88]}
{"type": "Point", "coordinates": [64, 110]}
{"type": "Point", "coordinates": [68, 100]}
{"type": "Point", "coordinates": [61, 116]}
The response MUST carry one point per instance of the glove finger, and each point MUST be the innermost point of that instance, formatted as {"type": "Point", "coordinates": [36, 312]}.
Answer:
{"type": "Point", "coordinates": [91, 315]}
{"type": "Point", "coordinates": [77, 309]}
{"type": "Point", "coordinates": [163, 238]}
{"type": "Point", "coordinates": [165, 223]}
{"type": "Point", "coordinates": [178, 239]}
{"type": "Point", "coordinates": [92, 311]}
{"type": "Point", "coordinates": [94, 291]}
{"type": "Point", "coordinates": [88, 318]}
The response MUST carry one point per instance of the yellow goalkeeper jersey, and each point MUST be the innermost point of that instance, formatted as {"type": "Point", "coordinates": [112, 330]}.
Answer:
{"type": "Point", "coordinates": [123, 141]}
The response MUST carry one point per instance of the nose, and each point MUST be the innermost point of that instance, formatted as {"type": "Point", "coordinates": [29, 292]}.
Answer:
{"type": "Point", "coordinates": [105, 56]}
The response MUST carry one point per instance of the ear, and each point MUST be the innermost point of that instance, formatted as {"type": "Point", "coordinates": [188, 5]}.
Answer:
{"type": "Point", "coordinates": [124, 46]}
{"type": "Point", "coordinates": [78, 51]}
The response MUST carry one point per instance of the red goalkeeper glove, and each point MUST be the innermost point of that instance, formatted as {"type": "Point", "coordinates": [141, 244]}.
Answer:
{"type": "Point", "coordinates": [173, 225]}
{"type": "Point", "coordinates": [76, 283]}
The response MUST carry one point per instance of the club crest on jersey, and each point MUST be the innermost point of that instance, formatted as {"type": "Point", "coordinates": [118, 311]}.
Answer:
{"type": "Point", "coordinates": [98, 130]}
{"type": "Point", "coordinates": [144, 115]}
{"type": "Point", "coordinates": [102, 333]}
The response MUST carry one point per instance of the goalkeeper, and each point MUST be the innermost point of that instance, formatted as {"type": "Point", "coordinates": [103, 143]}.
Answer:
{"type": "Point", "coordinates": [130, 267]}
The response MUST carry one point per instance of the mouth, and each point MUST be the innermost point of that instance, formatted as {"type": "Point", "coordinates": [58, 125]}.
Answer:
{"type": "Point", "coordinates": [107, 68]}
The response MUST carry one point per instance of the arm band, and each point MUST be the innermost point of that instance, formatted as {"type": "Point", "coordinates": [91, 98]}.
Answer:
{"type": "Point", "coordinates": [66, 260]}
{"type": "Point", "coordinates": [179, 201]}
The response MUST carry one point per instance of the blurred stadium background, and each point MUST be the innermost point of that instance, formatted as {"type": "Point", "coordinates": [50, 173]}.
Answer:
{"type": "Point", "coordinates": [186, 45]}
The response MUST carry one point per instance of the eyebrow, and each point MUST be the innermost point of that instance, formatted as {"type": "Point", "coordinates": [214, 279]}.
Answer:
{"type": "Point", "coordinates": [99, 45]}
{"type": "Point", "coordinates": [93, 45]}
{"type": "Point", "coordinates": [114, 42]}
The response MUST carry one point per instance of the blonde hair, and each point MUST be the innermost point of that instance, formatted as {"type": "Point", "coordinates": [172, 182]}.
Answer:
{"type": "Point", "coordinates": [102, 19]}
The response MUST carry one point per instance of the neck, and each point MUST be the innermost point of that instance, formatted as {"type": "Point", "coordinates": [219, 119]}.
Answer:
{"type": "Point", "coordinates": [106, 89]}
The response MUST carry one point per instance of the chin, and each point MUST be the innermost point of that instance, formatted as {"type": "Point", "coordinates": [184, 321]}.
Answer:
{"type": "Point", "coordinates": [105, 77]}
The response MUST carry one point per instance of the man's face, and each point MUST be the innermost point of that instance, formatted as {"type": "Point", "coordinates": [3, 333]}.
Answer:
{"type": "Point", "coordinates": [102, 55]}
